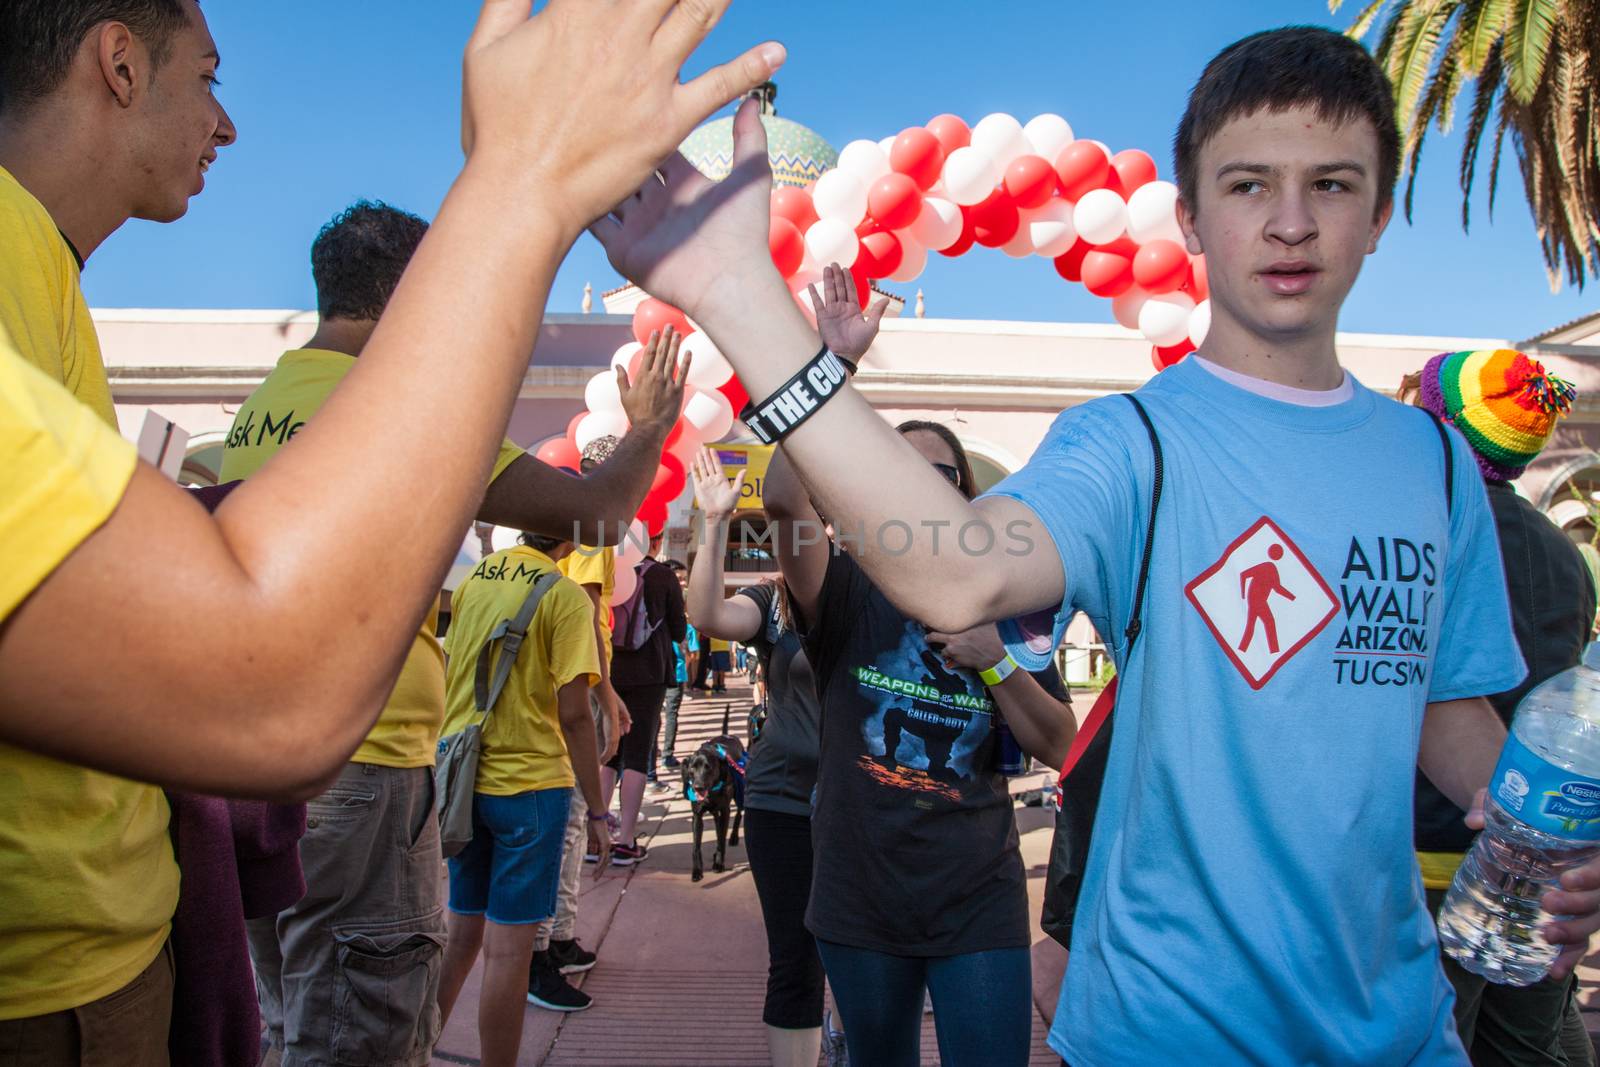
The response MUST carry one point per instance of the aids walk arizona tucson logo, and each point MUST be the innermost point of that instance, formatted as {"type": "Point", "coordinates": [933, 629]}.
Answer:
{"type": "Point", "coordinates": [1263, 601]}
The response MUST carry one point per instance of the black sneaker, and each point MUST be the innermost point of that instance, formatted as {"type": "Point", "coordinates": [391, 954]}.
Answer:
{"type": "Point", "coordinates": [628, 855]}
{"type": "Point", "coordinates": [669, 761]}
{"type": "Point", "coordinates": [547, 989]}
{"type": "Point", "coordinates": [570, 957]}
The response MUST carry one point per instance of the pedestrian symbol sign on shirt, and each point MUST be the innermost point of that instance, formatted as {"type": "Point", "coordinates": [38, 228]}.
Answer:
{"type": "Point", "coordinates": [1263, 601]}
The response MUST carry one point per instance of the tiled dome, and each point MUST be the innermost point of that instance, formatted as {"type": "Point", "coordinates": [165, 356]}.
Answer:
{"type": "Point", "coordinates": [799, 155]}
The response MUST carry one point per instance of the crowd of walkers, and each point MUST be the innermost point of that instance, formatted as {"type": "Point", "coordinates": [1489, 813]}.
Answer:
{"type": "Point", "coordinates": [227, 718]}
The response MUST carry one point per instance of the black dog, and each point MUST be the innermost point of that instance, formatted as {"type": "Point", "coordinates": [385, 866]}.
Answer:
{"type": "Point", "coordinates": [713, 780]}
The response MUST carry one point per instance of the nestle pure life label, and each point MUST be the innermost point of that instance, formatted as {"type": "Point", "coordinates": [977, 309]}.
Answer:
{"type": "Point", "coordinates": [1550, 799]}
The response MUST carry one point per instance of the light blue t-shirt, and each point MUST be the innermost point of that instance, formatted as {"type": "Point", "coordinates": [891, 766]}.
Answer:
{"type": "Point", "coordinates": [1251, 894]}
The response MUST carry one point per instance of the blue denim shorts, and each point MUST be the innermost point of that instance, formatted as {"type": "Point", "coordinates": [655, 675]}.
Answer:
{"type": "Point", "coordinates": [511, 870]}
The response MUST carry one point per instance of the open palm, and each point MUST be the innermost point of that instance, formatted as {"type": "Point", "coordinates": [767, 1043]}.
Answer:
{"type": "Point", "coordinates": [718, 496]}
{"type": "Point", "coordinates": [844, 327]}
{"type": "Point", "coordinates": [682, 237]}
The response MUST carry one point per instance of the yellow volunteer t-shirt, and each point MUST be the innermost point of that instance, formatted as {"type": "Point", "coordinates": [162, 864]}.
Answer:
{"type": "Point", "coordinates": [407, 732]}
{"type": "Point", "coordinates": [719, 645]}
{"type": "Point", "coordinates": [595, 566]}
{"type": "Point", "coordinates": [88, 883]}
{"type": "Point", "coordinates": [523, 746]}
{"type": "Point", "coordinates": [41, 301]}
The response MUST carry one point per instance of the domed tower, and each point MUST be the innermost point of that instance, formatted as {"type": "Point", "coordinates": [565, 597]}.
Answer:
{"type": "Point", "coordinates": [798, 155]}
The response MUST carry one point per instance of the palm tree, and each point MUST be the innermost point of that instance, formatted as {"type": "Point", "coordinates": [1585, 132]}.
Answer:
{"type": "Point", "coordinates": [1537, 68]}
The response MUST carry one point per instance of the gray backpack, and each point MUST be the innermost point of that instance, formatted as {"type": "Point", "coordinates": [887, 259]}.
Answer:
{"type": "Point", "coordinates": [455, 773]}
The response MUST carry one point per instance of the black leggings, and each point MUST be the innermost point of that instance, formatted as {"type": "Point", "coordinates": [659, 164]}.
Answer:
{"type": "Point", "coordinates": [779, 848]}
{"type": "Point", "coordinates": [644, 708]}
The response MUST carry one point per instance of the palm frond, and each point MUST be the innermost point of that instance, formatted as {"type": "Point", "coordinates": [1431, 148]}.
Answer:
{"type": "Point", "coordinates": [1482, 24]}
{"type": "Point", "coordinates": [1528, 35]}
{"type": "Point", "coordinates": [1477, 121]}
{"type": "Point", "coordinates": [1441, 90]}
{"type": "Point", "coordinates": [1415, 45]}
{"type": "Point", "coordinates": [1363, 22]}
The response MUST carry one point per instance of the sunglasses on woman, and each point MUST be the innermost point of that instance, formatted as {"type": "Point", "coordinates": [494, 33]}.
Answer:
{"type": "Point", "coordinates": [951, 474]}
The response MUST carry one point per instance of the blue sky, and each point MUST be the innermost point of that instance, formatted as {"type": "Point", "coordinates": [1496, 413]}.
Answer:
{"type": "Point", "coordinates": [337, 101]}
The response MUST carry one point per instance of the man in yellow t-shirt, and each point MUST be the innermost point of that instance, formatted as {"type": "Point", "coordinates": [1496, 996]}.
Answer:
{"type": "Point", "coordinates": [87, 875]}
{"type": "Point", "coordinates": [538, 742]}
{"type": "Point", "coordinates": [371, 849]}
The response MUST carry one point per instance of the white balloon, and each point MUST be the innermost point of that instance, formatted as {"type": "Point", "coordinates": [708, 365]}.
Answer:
{"type": "Point", "coordinates": [1126, 307]}
{"type": "Point", "coordinates": [601, 393]}
{"type": "Point", "coordinates": [1200, 323]}
{"type": "Point", "coordinates": [1021, 244]}
{"type": "Point", "coordinates": [913, 258]}
{"type": "Point", "coordinates": [1153, 213]}
{"type": "Point", "coordinates": [625, 354]}
{"type": "Point", "coordinates": [939, 224]}
{"type": "Point", "coordinates": [867, 160]}
{"type": "Point", "coordinates": [1100, 217]}
{"type": "Point", "coordinates": [1049, 227]}
{"type": "Point", "coordinates": [626, 580]}
{"type": "Point", "coordinates": [833, 241]}
{"type": "Point", "coordinates": [886, 144]}
{"type": "Point", "coordinates": [710, 367]}
{"type": "Point", "coordinates": [709, 412]}
{"type": "Point", "coordinates": [686, 446]}
{"type": "Point", "coordinates": [841, 195]}
{"type": "Point", "coordinates": [634, 545]}
{"type": "Point", "coordinates": [1048, 134]}
{"type": "Point", "coordinates": [502, 538]}
{"type": "Point", "coordinates": [598, 424]}
{"type": "Point", "coordinates": [970, 175]}
{"type": "Point", "coordinates": [999, 136]}
{"type": "Point", "coordinates": [1164, 318]}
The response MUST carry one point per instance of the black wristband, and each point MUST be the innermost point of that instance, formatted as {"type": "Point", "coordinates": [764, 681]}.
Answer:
{"type": "Point", "coordinates": [780, 414]}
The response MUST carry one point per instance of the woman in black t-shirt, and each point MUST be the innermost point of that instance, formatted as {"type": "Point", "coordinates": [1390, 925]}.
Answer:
{"type": "Point", "coordinates": [781, 774]}
{"type": "Point", "coordinates": [918, 882]}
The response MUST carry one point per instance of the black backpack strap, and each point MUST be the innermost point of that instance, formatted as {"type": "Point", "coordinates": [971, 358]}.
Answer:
{"type": "Point", "coordinates": [1449, 464]}
{"type": "Point", "coordinates": [510, 632]}
{"type": "Point", "coordinates": [1136, 624]}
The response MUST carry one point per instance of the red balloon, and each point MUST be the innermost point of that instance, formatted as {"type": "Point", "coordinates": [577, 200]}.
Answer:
{"type": "Point", "coordinates": [787, 243]}
{"type": "Point", "coordinates": [1198, 285]}
{"type": "Point", "coordinates": [653, 513]}
{"type": "Point", "coordinates": [918, 155]}
{"type": "Point", "coordinates": [669, 480]}
{"type": "Point", "coordinates": [653, 315]}
{"type": "Point", "coordinates": [967, 239]}
{"type": "Point", "coordinates": [1030, 180]}
{"type": "Point", "coordinates": [1161, 266]}
{"type": "Point", "coordinates": [560, 452]}
{"type": "Point", "coordinates": [1126, 247]}
{"type": "Point", "coordinates": [674, 434]}
{"type": "Point", "coordinates": [1166, 357]}
{"type": "Point", "coordinates": [735, 391]}
{"type": "Point", "coordinates": [1069, 264]}
{"type": "Point", "coordinates": [951, 132]}
{"type": "Point", "coordinates": [795, 205]}
{"type": "Point", "coordinates": [1106, 273]}
{"type": "Point", "coordinates": [1082, 166]}
{"type": "Point", "coordinates": [995, 220]}
{"type": "Point", "coordinates": [1133, 168]}
{"type": "Point", "coordinates": [572, 427]}
{"type": "Point", "coordinates": [880, 254]}
{"type": "Point", "coordinates": [858, 271]}
{"type": "Point", "coordinates": [894, 201]}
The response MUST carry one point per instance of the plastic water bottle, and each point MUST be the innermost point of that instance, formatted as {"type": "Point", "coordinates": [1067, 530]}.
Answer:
{"type": "Point", "coordinates": [1542, 818]}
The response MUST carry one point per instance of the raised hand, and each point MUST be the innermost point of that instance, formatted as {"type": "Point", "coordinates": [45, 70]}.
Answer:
{"type": "Point", "coordinates": [580, 103]}
{"type": "Point", "coordinates": [697, 244]}
{"type": "Point", "coordinates": [718, 497]}
{"type": "Point", "coordinates": [844, 327]}
{"type": "Point", "coordinates": [656, 399]}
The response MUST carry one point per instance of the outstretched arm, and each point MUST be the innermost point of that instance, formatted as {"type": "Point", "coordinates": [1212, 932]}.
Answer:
{"type": "Point", "coordinates": [595, 510]}
{"type": "Point", "coordinates": [249, 652]}
{"type": "Point", "coordinates": [702, 246]}
{"type": "Point", "coordinates": [733, 618]}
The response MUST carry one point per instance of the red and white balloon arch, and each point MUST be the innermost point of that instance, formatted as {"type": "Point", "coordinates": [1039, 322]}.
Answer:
{"type": "Point", "coordinates": [1104, 220]}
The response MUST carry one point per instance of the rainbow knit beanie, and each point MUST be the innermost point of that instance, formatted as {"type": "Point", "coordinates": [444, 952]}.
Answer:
{"type": "Point", "coordinates": [1504, 404]}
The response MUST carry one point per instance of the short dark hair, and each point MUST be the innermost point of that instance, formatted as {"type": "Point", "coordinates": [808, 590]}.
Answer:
{"type": "Point", "coordinates": [967, 488]}
{"type": "Point", "coordinates": [358, 258]}
{"type": "Point", "coordinates": [39, 38]}
{"type": "Point", "coordinates": [541, 542]}
{"type": "Point", "coordinates": [1296, 66]}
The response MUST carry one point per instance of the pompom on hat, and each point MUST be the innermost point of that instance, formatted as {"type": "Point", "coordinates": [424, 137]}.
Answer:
{"type": "Point", "coordinates": [1504, 403]}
